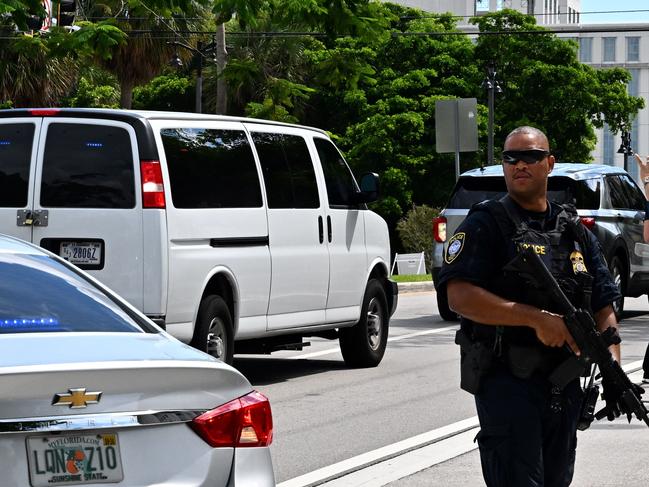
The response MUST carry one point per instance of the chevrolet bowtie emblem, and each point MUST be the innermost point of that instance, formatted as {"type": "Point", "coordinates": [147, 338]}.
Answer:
{"type": "Point", "coordinates": [76, 398]}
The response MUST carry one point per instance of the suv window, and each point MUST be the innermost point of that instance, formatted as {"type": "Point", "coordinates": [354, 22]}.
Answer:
{"type": "Point", "coordinates": [468, 191]}
{"type": "Point", "coordinates": [635, 198]}
{"type": "Point", "coordinates": [211, 168]}
{"type": "Point", "coordinates": [38, 294]}
{"type": "Point", "coordinates": [288, 171]}
{"type": "Point", "coordinates": [617, 193]}
{"type": "Point", "coordinates": [87, 166]}
{"type": "Point", "coordinates": [16, 141]}
{"type": "Point", "coordinates": [341, 185]}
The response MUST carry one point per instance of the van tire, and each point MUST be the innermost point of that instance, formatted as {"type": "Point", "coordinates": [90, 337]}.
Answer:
{"type": "Point", "coordinates": [213, 333]}
{"type": "Point", "coordinates": [619, 275]}
{"type": "Point", "coordinates": [363, 344]}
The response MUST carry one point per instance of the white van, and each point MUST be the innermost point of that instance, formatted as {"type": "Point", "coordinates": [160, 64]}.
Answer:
{"type": "Point", "coordinates": [221, 229]}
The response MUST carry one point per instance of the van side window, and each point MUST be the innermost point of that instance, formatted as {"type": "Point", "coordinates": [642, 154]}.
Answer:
{"type": "Point", "coordinates": [15, 156]}
{"type": "Point", "coordinates": [210, 168]}
{"type": "Point", "coordinates": [87, 166]}
{"type": "Point", "coordinates": [288, 171]}
{"type": "Point", "coordinates": [341, 185]}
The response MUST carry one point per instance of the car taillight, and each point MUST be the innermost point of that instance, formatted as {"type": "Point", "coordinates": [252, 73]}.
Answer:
{"type": "Point", "coordinates": [439, 229]}
{"type": "Point", "coordinates": [44, 112]}
{"type": "Point", "coordinates": [153, 193]}
{"type": "Point", "coordinates": [588, 222]}
{"type": "Point", "coordinates": [243, 422]}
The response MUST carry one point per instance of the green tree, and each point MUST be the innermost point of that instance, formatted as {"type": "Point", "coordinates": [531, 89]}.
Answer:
{"type": "Point", "coordinates": [415, 231]}
{"type": "Point", "coordinates": [545, 85]}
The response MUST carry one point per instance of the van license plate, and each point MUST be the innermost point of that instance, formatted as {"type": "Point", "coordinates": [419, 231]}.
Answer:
{"type": "Point", "coordinates": [81, 252]}
{"type": "Point", "coordinates": [73, 459]}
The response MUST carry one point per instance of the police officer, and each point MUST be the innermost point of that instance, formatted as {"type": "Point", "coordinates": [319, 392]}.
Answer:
{"type": "Point", "coordinates": [528, 425]}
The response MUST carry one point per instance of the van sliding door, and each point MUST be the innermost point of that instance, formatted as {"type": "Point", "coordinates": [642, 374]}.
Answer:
{"type": "Point", "coordinates": [18, 148]}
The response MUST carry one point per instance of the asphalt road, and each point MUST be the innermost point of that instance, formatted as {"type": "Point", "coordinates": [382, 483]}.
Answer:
{"type": "Point", "coordinates": [326, 414]}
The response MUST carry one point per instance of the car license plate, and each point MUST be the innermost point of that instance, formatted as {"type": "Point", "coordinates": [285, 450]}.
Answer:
{"type": "Point", "coordinates": [73, 459]}
{"type": "Point", "coordinates": [81, 252]}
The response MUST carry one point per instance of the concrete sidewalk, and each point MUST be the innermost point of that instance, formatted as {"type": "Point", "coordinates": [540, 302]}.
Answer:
{"type": "Point", "coordinates": [609, 454]}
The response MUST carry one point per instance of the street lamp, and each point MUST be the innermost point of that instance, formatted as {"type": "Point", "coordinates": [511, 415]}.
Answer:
{"type": "Point", "coordinates": [625, 146]}
{"type": "Point", "coordinates": [493, 87]}
{"type": "Point", "coordinates": [199, 53]}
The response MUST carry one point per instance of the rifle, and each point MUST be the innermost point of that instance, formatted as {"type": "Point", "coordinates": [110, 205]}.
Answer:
{"type": "Point", "coordinates": [593, 344]}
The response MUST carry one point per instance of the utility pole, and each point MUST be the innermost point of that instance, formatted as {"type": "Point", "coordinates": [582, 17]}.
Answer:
{"type": "Point", "coordinates": [493, 87]}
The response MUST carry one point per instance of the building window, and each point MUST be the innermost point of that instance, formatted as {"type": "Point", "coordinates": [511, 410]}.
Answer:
{"type": "Point", "coordinates": [586, 49]}
{"type": "Point", "coordinates": [633, 87]}
{"type": "Point", "coordinates": [633, 49]}
{"type": "Point", "coordinates": [608, 49]}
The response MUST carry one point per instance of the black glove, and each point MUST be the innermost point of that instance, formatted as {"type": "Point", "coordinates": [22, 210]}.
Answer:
{"type": "Point", "coordinates": [615, 405]}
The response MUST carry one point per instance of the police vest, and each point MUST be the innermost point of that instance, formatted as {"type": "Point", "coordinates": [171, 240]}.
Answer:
{"type": "Point", "coordinates": [559, 240]}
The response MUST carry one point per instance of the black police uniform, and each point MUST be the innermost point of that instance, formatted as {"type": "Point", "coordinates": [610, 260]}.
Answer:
{"type": "Point", "coordinates": [528, 427]}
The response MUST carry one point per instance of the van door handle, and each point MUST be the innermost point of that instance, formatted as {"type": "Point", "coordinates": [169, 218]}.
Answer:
{"type": "Point", "coordinates": [328, 228]}
{"type": "Point", "coordinates": [320, 229]}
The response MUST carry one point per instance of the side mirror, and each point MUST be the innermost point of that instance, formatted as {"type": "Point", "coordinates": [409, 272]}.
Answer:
{"type": "Point", "coordinates": [369, 188]}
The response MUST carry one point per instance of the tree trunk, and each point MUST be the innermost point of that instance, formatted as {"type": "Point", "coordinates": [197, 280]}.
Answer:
{"type": "Point", "coordinates": [221, 61]}
{"type": "Point", "coordinates": [126, 94]}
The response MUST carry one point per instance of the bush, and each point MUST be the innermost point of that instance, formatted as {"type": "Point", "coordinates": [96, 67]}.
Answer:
{"type": "Point", "coordinates": [416, 231]}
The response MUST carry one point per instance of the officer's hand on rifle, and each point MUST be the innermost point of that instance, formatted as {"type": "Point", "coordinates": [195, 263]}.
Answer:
{"type": "Point", "coordinates": [551, 330]}
{"type": "Point", "coordinates": [613, 396]}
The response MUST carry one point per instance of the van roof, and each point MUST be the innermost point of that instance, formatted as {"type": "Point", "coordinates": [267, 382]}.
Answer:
{"type": "Point", "coordinates": [577, 171]}
{"type": "Point", "coordinates": [120, 114]}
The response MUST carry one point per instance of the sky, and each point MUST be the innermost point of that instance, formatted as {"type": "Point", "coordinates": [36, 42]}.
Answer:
{"type": "Point", "coordinates": [641, 13]}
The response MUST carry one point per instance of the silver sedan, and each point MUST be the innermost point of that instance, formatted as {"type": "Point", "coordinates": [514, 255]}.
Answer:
{"type": "Point", "coordinates": [92, 392]}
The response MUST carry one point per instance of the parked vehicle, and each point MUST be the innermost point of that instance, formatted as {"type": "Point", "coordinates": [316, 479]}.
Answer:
{"type": "Point", "coordinates": [220, 229]}
{"type": "Point", "coordinates": [608, 201]}
{"type": "Point", "coordinates": [94, 392]}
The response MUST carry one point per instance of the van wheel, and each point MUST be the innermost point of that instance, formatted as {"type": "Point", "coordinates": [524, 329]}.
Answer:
{"type": "Point", "coordinates": [618, 272]}
{"type": "Point", "coordinates": [213, 332]}
{"type": "Point", "coordinates": [363, 344]}
{"type": "Point", "coordinates": [445, 312]}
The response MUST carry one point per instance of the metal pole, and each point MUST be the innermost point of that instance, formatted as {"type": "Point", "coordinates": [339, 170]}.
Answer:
{"type": "Point", "coordinates": [457, 140]}
{"type": "Point", "coordinates": [491, 88]}
{"type": "Point", "coordinates": [199, 78]}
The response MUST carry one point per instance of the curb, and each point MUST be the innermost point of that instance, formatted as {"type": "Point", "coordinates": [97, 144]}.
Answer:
{"type": "Point", "coordinates": [412, 287]}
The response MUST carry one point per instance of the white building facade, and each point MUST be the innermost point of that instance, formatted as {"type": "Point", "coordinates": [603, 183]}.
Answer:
{"type": "Point", "coordinates": [600, 46]}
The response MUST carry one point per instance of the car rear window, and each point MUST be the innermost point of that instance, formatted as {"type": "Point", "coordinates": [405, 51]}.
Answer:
{"type": "Point", "coordinates": [38, 294]}
{"type": "Point", "coordinates": [585, 194]}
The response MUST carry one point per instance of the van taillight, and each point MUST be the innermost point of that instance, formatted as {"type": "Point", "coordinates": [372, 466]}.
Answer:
{"type": "Point", "coordinates": [243, 422]}
{"type": "Point", "coordinates": [44, 112]}
{"type": "Point", "coordinates": [439, 229]}
{"type": "Point", "coordinates": [153, 192]}
{"type": "Point", "coordinates": [588, 222]}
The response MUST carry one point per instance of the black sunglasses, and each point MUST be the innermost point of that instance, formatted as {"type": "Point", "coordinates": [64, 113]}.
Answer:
{"type": "Point", "coordinates": [531, 156]}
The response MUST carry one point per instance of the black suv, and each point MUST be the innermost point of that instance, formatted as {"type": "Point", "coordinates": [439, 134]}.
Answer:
{"type": "Point", "coordinates": [608, 201]}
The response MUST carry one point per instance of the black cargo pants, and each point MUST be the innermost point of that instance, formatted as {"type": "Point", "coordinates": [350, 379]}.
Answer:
{"type": "Point", "coordinates": [523, 440]}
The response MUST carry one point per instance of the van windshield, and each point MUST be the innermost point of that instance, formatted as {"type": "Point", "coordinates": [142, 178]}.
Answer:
{"type": "Point", "coordinates": [468, 191]}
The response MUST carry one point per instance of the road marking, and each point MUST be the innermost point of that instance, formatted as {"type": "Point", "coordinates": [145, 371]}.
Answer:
{"type": "Point", "coordinates": [390, 339]}
{"type": "Point", "coordinates": [337, 470]}
{"type": "Point", "coordinates": [398, 460]}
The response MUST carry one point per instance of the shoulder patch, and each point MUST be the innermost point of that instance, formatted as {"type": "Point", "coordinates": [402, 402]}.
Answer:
{"type": "Point", "coordinates": [455, 246]}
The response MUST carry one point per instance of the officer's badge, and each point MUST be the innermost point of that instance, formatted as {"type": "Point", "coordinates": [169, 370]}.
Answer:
{"type": "Point", "coordinates": [455, 246]}
{"type": "Point", "coordinates": [578, 264]}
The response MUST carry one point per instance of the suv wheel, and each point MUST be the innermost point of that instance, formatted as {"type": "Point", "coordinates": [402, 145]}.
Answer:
{"type": "Point", "coordinates": [618, 272]}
